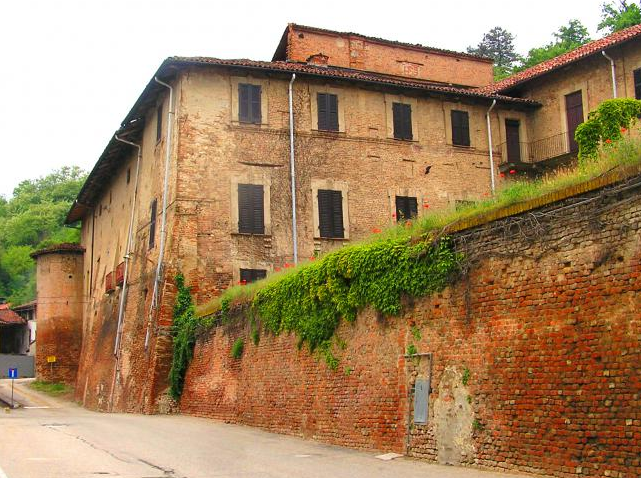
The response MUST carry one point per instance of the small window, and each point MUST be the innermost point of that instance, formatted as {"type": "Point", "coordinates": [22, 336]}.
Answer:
{"type": "Point", "coordinates": [406, 208]}
{"type": "Point", "coordinates": [402, 114]}
{"type": "Point", "coordinates": [251, 209]}
{"type": "Point", "coordinates": [159, 123]}
{"type": "Point", "coordinates": [128, 175]}
{"type": "Point", "coordinates": [248, 276]}
{"type": "Point", "coordinates": [460, 128]}
{"type": "Point", "coordinates": [637, 83]}
{"type": "Point", "coordinates": [152, 223]}
{"type": "Point", "coordinates": [249, 110]}
{"type": "Point", "coordinates": [330, 213]}
{"type": "Point", "coordinates": [327, 112]}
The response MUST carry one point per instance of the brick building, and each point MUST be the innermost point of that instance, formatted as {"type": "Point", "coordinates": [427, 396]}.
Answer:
{"type": "Point", "coordinates": [198, 179]}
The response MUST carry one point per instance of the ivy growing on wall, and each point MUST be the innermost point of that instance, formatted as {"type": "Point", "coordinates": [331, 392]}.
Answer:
{"type": "Point", "coordinates": [311, 301]}
{"type": "Point", "coordinates": [183, 332]}
{"type": "Point", "coordinates": [606, 125]}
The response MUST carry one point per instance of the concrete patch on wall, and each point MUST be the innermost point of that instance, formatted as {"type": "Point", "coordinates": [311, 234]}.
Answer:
{"type": "Point", "coordinates": [453, 419]}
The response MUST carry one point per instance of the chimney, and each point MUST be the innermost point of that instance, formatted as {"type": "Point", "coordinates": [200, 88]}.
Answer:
{"type": "Point", "coordinates": [318, 60]}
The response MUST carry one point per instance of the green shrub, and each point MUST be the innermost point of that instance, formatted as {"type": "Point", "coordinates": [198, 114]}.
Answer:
{"type": "Point", "coordinates": [183, 332]}
{"type": "Point", "coordinates": [606, 125]}
{"type": "Point", "coordinates": [237, 348]}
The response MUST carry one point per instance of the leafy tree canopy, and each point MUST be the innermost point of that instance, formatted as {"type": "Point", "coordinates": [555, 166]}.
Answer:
{"type": "Point", "coordinates": [497, 44]}
{"type": "Point", "coordinates": [31, 219]}
{"type": "Point", "coordinates": [567, 38]}
{"type": "Point", "coordinates": [616, 16]}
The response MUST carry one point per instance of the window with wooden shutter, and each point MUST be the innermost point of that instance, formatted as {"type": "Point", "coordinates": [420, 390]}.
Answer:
{"type": "Point", "coordinates": [402, 117]}
{"type": "Point", "coordinates": [251, 219]}
{"type": "Point", "coordinates": [330, 213]}
{"type": "Point", "coordinates": [406, 208]}
{"type": "Point", "coordinates": [158, 123]}
{"type": "Point", "coordinates": [152, 223]}
{"type": "Point", "coordinates": [249, 110]}
{"type": "Point", "coordinates": [327, 111]}
{"type": "Point", "coordinates": [460, 128]}
{"type": "Point", "coordinates": [637, 83]}
{"type": "Point", "coordinates": [247, 276]}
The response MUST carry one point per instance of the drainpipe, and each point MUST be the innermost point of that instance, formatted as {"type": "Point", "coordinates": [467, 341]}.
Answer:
{"type": "Point", "coordinates": [614, 74]}
{"type": "Point", "coordinates": [292, 167]}
{"type": "Point", "coordinates": [128, 252]}
{"type": "Point", "coordinates": [489, 142]}
{"type": "Point", "coordinates": [163, 220]}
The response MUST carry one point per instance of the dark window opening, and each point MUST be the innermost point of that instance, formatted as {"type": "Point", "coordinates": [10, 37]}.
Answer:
{"type": "Point", "coordinates": [249, 110]}
{"type": "Point", "coordinates": [460, 128]}
{"type": "Point", "coordinates": [402, 115]}
{"type": "Point", "coordinates": [248, 276]}
{"type": "Point", "coordinates": [574, 115]}
{"type": "Point", "coordinates": [637, 83]}
{"type": "Point", "coordinates": [159, 123]}
{"type": "Point", "coordinates": [513, 140]}
{"type": "Point", "coordinates": [251, 209]}
{"type": "Point", "coordinates": [330, 213]}
{"type": "Point", "coordinates": [152, 223]}
{"type": "Point", "coordinates": [128, 175]}
{"type": "Point", "coordinates": [327, 112]}
{"type": "Point", "coordinates": [406, 208]}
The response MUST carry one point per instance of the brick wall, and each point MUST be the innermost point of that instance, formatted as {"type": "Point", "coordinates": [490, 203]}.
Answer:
{"type": "Point", "coordinates": [533, 355]}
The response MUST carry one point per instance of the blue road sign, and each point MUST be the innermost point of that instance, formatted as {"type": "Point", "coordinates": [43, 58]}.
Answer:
{"type": "Point", "coordinates": [13, 373]}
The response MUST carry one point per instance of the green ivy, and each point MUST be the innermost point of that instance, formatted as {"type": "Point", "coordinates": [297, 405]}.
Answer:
{"type": "Point", "coordinates": [606, 124]}
{"type": "Point", "coordinates": [237, 348]}
{"type": "Point", "coordinates": [311, 301]}
{"type": "Point", "coordinates": [183, 333]}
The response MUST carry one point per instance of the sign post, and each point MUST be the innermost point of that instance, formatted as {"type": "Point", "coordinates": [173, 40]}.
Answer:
{"type": "Point", "coordinates": [13, 374]}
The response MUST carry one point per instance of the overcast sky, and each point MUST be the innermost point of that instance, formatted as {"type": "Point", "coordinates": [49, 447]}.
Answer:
{"type": "Point", "coordinates": [72, 69]}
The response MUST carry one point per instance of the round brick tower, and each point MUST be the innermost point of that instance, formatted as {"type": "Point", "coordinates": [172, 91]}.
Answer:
{"type": "Point", "coordinates": [59, 282]}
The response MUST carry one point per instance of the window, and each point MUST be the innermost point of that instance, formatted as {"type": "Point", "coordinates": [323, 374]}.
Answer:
{"type": "Point", "coordinates": [327, 111]}
{"type": "Point", "coordinates": [406, 208]}
{"type": "Point", "coordinates": [252, 275]}
{"type": "Point", "coordinates": [128, 175]}
{"type": "Point", "coordinates": [159, 123]}
{"type": "Point", "coordinates": [330, 213]}
{"type": "Point", "coordinates": [249, 103]}
{"type": "Point", "coordinates": [637, 83]}
{"type": "Point", "coordinates": [402, 114]}
{"type": "Point", "coordinates": [460, 128]}
{"type": "Point", "coordinates": [152, 224]}
{"type": "Point", "coordinates": [251, 209]}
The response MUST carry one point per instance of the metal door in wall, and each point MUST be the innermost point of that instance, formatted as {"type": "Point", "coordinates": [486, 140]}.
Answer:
{"type": "Point", "coordinates": [574, 115]}
{"type": "Point", "coordinates": [513, 140]}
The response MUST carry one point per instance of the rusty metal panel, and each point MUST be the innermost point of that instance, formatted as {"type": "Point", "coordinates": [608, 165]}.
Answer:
{"type": "Point", "coordinates": [421, 400]}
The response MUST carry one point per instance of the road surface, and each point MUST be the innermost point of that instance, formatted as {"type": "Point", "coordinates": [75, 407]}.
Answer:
{"type": "Point", "coordinates": [67, 441]}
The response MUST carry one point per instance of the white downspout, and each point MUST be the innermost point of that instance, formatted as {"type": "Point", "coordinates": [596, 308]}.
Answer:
{"type": "Point", "coordinates": [128, 252]}
{"type": "Point", "coordinates": [614, 73]}
{"type": "Point", "coordinates": [489, 142]}
{"type": "Point", "coordinates": [292, 167]}
{"type": "Point", "coordinates": [163, 220]}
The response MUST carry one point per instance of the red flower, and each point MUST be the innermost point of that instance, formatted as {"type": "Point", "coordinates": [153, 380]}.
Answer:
{"type": "Point", "coordinates": [312, 258]}
{"type": "Point", "coordinates": [502, 175]}
{"type": "Point", "coordinates": [426, 206]}
{"type": "Point", "coordinates": [512, 171]}
{"type": "Point", "coordinates": [608, 140]}
{"type": "Point", "coordinates": [623, 130]}
{"type": "Point", "coordinates": [286, 265]}
{"type": "Point", "coordinates": [408, 224]}
{"type": "Point", "coordinates": [277, 269]}
{"type": "Point", "coordinates": [243, 282]}
{"type": "Point", "coordinates": [393, 214]}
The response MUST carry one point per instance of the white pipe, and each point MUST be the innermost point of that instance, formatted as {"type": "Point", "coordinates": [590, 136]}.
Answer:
{"type": "Point", "coordinates": [489, 142]}
{"type": "Point", "coordinates": [123, 295]}
{"type": "Point", "coordinates": [292, 166]}
{"type": "Point", "coordinates": [163, 220]}
{"type": "Point", "coordinates": [614, 73]}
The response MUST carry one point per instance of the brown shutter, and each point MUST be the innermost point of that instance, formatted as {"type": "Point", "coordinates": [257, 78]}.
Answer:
{"type": "Point", "coordinates": [332, 112]}
{"type": "Point", "coordinates": [325, 212]}
{"type": "Point", "coordinates": [408, 121]}
{"type": "Point", "coordinates": [251, 209]}
{"type": "Point", "coordinates": [574, 115]}
{"type": "Point", "coordinates": [152, 223]}
{"type": "Point", "coordinates": [460, 128]}
{"type": "Point", "coordinates": [255, 104]}
{"type": "Point", "coordinates": [243, 103]}
{"type": "Point", "coordinates": [397, 118]}
{"type": "Point", "coordinates": [159, 123]}
{"type": "Point", "coordinates": [337, 214]}
{"type": "Point", "coordinates": [321, 99]}
{"type": "Point", "coordinates": [258, 213]}
{"type": "Point", "coordinates": [637, 84]}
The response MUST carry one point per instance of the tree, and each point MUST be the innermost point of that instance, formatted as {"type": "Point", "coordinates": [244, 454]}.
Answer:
{"type": "Point", "coordinates": [31, 219]}
{"type": "Point", "coordinates": [616, 16]}
{"type": "Point", "coordinates": [567, 38]}
{"type": "Point", "coordinates": [497, 44]}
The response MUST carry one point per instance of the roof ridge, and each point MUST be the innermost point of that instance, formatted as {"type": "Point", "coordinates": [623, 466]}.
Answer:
{"type": "Point", "coordinates": [571, 56]}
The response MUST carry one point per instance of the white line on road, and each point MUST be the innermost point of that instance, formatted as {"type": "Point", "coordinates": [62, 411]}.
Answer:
{"type": "Point", "coordinates": [2, 473]}
{"type": "Point", "coordinates": [30, 408]}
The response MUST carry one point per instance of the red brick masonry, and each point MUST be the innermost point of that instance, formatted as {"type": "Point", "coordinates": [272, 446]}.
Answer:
{"type": "Point", "coordinates": [535, 355]}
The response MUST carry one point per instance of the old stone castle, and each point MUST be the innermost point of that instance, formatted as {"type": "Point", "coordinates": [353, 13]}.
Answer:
{"type": "Point", "coordinates": [227, 170]}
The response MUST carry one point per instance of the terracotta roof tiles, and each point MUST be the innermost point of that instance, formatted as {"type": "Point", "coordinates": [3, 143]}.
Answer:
{"type": "Point", "coordinates": [9, 317]}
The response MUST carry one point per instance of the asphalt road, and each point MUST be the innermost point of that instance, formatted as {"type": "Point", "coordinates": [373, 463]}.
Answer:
{"type": "Point", "coordinates": [66, 441]}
